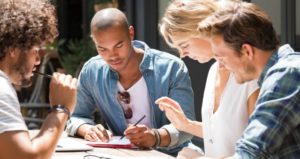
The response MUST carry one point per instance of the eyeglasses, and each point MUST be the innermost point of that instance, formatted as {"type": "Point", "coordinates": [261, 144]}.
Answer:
{"type": "Point", "coordinates": [95, 157]}
{"type": "Point", "coordinates": [39, 50]}
{"type": "Point", "coordinates": [124, 97]}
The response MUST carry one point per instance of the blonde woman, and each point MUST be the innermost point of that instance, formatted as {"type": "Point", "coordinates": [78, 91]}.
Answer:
{"type": "Point", "coordinates": [227, 105]}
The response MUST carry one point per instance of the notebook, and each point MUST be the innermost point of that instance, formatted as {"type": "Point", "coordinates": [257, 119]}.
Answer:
{"type": "Point", "coordinates": [69, 144]}
{"type": "Point", "coordinates": [115, 142]}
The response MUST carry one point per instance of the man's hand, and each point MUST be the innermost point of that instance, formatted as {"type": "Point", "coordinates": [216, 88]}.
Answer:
{"type": "Point", "coordinates": [63, 91]}
{"type": "Point", "coordinates": [141, 136]}
{"type": "Point", "coordinates": [96, 133]}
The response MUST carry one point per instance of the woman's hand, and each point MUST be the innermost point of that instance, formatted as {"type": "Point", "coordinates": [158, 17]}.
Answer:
{"type": "Point", "coordinates": [173, 112]}
{"type": "Point", "coordinates": [188, 153]}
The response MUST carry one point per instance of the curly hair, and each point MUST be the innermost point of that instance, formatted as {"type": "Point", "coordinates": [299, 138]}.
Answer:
{"type": "Point", "coordinates": [24, 24]}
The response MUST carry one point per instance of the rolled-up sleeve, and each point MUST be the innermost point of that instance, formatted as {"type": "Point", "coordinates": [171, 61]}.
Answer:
{"type": "Point", "coordinates": [75, 122]}
{"type": "Point", "coordinates": [85, 106]}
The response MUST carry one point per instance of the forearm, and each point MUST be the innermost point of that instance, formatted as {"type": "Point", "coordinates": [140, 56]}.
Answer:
{"type": "Point", "coordinates": [50, 132]}
{"type": "Point", "coordinates": [165, 137]}
{"type": "Point", "coordinates": [194, 128]}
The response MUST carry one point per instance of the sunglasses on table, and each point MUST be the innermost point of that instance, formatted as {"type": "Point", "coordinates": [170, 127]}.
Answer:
{"type": "Point", "coordinates": [124, 97]}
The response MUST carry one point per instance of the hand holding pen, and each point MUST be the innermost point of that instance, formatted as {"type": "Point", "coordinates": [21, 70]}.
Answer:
{"type": "Point", "coordinates": [140, 135]}
{"type": "Point", "coordinates": [135, 124]}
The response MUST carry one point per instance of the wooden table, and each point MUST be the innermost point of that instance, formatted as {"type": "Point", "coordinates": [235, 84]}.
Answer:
{"type": "Point", "coordinates": [114, 153]}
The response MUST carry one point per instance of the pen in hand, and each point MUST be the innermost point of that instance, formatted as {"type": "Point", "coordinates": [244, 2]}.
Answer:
{"type": "Point", "coordinates": [134, 125]}
{"type": "Point", "coordinates": [42, 74]}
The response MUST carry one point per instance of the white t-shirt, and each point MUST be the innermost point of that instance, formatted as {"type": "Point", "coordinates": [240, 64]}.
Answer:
{"type": "Point", "coordinates": [139, 102]}
{"type": "Point", "coordinates": [10, 115]}
{"type": "Point", "coordinates": [223, 128]}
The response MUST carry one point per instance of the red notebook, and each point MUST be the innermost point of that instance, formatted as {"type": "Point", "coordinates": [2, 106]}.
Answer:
{"type": "Point", "coordinates": [115, 142]}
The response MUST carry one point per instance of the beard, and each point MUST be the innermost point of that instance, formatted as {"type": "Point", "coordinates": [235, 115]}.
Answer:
{"type": "Point", "coordinates": [22, 68]}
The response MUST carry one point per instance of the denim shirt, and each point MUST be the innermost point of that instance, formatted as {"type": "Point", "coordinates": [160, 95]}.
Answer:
{"type": "Point", "coordinates": [165, 75]}
{"type": "Point", "coordinates": [274, 126]}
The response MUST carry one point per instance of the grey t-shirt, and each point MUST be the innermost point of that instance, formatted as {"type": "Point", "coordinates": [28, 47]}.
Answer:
{"type": "Point", "coordinates": [10, 116]}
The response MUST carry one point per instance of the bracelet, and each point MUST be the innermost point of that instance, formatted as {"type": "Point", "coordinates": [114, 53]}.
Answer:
{"type": "Point", "coordinates": [60, 108]}
{"type": "Point", "coordinates": [157, 137]}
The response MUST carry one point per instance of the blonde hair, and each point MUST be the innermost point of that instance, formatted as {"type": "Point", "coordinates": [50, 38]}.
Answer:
{"type": "Point", "coordinates": [183, 16]}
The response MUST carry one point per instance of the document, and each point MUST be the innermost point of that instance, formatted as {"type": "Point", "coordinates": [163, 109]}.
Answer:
{"type": "Point", "coordinates": [115, 142]}
{"type": "Point", "coordinates": [69, 144]}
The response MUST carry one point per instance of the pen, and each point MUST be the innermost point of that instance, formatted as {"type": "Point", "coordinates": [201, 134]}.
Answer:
{"type": "Point", "coordinates": [42, 74]}
{"type": "Point", "coordinates": [134, 125]}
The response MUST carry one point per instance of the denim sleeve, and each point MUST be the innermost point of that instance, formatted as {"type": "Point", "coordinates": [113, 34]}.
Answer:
{"type": "Point", "coordinates": [181, 91]}
{"type": "Point", "coordinates": [85, 107]}
{"type": "Point", "coordinates": [275, 117]}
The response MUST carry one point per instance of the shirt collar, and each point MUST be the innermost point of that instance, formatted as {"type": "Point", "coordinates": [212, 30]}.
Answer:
{"type": "Point", "coordinates": [146, 63]}
{"type": "Point", "coordinates": [280, 52]}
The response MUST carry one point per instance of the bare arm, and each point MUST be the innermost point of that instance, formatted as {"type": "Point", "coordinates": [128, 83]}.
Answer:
{"type": "Point", "coordinates": [251, 101]}
{"type": "Point", "coordinates": [17, 144]}
{"type": "Point", "coordinates": [20, 142]}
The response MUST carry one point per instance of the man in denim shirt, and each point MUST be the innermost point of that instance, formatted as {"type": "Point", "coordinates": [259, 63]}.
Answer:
{"type": "Point", "coordinates": [123, 82]}
{"type": "Point", "coordinates": [244, 40]}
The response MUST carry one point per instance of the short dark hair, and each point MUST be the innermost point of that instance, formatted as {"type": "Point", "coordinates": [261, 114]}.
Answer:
{"type": "Point", "coordinates": [241, 23]}
{"type": "Point", "coordinates": [25, 23]}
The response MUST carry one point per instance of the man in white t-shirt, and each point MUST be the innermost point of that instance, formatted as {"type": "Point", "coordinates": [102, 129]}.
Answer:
{"type": "Point", "coordinates": [123, 81]}
{"type": "Point", "coordinates": [22, 32]}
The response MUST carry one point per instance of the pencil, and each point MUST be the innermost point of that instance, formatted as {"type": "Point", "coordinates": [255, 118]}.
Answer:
{"type": "Point", "coordinates": [134, 125]}
{"type": "Point", "coordinates": [42, 74]}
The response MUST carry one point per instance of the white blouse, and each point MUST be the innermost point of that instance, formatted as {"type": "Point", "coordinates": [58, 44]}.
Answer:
{"type": "Point", "coordinates": [223, 128]}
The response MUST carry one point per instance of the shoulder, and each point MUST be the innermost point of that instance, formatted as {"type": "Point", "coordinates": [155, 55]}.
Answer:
{"type": "Point", "coordinates": [95, 61]}
{"type": "Point", "coordinates": [288, 60]}
{"type": "Point", "coordinates": [245, 89]}
{"type": "Point", "coordinates": [93, 65]}
{"type": "Point", "coordinates": [213, 69]}
{"type": "Point", "coordinates": [286, 69]}
{"type": "Point", "coordinates": [6, 90]}
{"type": "Point", "coordinates": [157, 56]}
{"type": "Point", "coordinates": [164, 61]}
{"type": "Point", "coordinates": [165, 57]}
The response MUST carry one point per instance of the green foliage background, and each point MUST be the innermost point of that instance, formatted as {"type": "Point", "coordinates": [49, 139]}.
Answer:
{"type": "Point", "coordinates": [74, 53]}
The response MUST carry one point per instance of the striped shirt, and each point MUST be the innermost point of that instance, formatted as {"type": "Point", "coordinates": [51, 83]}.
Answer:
{"type": "Point", "coordinates": [274, 127]}
{"type": "Point", "coordinates": [10, 116]}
